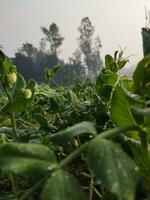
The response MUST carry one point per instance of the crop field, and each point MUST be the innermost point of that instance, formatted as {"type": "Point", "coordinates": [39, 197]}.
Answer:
{"type": "Point", "coordinates": [86, 141]}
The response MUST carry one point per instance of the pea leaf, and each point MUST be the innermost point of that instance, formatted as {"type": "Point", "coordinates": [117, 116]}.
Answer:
{"type": "Point", "coordinates": [146, 40]}
{"type": "Point", "coordinates": [105, 82]}
{"type": "Point", "coordinates": [110, 63]}
{"type": "Point", "coordinates": [122, 63]}
{"type": "Point", "coordinates": [2, 56]}
{"type": "Point", "coordinates": [26, 159]}
{"type": "Point", "coordinates": [62, 186]}
{"type": "Point", "coordinates": [141, 77]}
{"type": "Point", "coordinates": [113, 168]}
{"type": "Point", "coordinates": [121, 111]}
{"type": "Point", "coordinates": [15, 106]}
{"type": "Point", "coordinates": [71, 132]}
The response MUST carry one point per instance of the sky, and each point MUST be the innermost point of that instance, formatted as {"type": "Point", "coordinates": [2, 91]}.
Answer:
{"type": "Point", "coordinates": [117, 22]}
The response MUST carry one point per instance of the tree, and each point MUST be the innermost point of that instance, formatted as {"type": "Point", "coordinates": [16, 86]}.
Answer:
{"type": "Point", "coordinates": [53, 37]}
{"type": "Point", "coordinates": [85, 39]}
{"type": "Point", "coordinates": [31, 61]}
{"type": "Point", "coordinates": [91, 55]}
{"type": "Point", "coordinates": [28, 50]}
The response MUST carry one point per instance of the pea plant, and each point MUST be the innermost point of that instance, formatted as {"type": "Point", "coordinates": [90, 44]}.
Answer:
{"type": "Point", "coordinates": [89, 141]}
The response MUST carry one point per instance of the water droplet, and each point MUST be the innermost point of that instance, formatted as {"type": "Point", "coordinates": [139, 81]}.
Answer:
{"type": "Point", "coordinates": [136, 168]}
{"type": "Point", "coordinates": [109, 171]}
{"type": "Point", "coordinates": [119, 165]}
{"type": "Point", "coordinates": [115, 187]}
{"type": "Point", "coordinates": [98, 182]}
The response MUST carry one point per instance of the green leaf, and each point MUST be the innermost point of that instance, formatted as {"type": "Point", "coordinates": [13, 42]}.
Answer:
{"type": "Point", "coordinates": [20, 85]}
{"type": "Point", "coordinates": [127, 83]}
{"type": "Point", "coordinates": [122, 63]}
{"type": "Point", "coordinates": [138, 156]}
{"type": "Point", "coordinates": [109, 77]}
{"type": "Point", "coordinates": [79, 129]}
{"type": "Point", "coordinates": [16, 106]}
{"type": "Point", "coordinates": [62, 186]}
{"type": "Point", "coordinates": [105, 82]}
{"type": "Point", "coordinates": [26, 159]}
{"type": "Point", "coordinates": [113, 168]}
{"type": "Point", "coordinates": [110, 63]}
{"type": "Point", "coordinates": [141, 77]}
{"type": "Point", "coordinates": [146, 40]}
{"type": "Point", "coordinates": [2, 56]}
{"type": "Point", "coordinates": [121, 111]}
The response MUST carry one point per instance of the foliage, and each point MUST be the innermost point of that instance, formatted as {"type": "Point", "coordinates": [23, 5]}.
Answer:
{"type": "Point", "coordinates": [32, 62]}
{"type": "Point", "coordinates": [53, 37]}
{"type": "Point", "coordinates": [91, 55]}
{"type": "Point", "coordinates": [86, 141]}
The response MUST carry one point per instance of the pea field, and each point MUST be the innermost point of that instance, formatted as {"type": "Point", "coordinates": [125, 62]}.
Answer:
{"type": "Point", "coordinates": [87, 141]}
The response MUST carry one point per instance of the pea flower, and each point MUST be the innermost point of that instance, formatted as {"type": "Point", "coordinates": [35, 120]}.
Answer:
{"type": "Point", "coordinates": [11, 78]}
{"type": "Point", "coordinates": [27, 93]}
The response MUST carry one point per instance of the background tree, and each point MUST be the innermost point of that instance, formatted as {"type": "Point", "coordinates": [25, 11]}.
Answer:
{"type": "Point", "coordinates": [85, 39]}
{"type": "Point", "coordinates": [31, 62]}
{"type": "Point", "coordinates": [29, 50]}
{"type": "Point", "coordinates": [91, 55]}
{"type": "Point", "coordinates": [85, 62]}
{"type": "Point", "coordinates": [53, 37]}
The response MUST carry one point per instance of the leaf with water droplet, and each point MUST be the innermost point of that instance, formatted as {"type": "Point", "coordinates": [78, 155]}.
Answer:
{"type": "Point", "coordinates": [62, 186]}
{"type": "Point", "coordinates": [113, 168]}
{"type": "Point", "coordinates": [26, 159]}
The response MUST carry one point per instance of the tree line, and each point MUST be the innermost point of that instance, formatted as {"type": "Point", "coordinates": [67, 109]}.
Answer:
{"type": "Point", "coordinates": [43, 62]}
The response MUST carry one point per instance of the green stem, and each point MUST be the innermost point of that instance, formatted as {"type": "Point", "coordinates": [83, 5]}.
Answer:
{"type": "Point", "coordinates": [76, 154]}
{"type": "Point", "coordinates": [73, 155]}
{"type": "Point", "coordinates": [144, 144]}
{"type": "Point", "coordinates": [83, 147]}
{"type": "Point", "coordinates": [116, 131]}
{"type": "Point", "coordinates": [34, 188]}
{"type": "Point", "coordinates": [97, 192]}
{"type": "Point", "coordinates": [7, 93]}
{"type": "Point", "coordinates": [14, 184]}
{"type": "Point", "coordinates": [13, 122]}
{"type": "Point", "coordinates": [12, 114]}
{"type": "Point", "coordinates": [91, 188]}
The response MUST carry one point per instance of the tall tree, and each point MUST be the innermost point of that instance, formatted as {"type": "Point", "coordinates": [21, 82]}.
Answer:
{"type": "Point", "coordinates": [91, 55]}
{"type": "Point", "coordinates": [86, 30]}
{"type": "Point", "coordinates": [54, 37]}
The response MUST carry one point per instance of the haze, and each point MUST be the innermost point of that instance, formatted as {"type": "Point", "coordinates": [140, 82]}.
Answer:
{"type": "Point", "coordinates": [118, 23]}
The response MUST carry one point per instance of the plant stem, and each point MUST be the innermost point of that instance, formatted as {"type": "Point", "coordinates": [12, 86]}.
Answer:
{"type": "Point", "coordinates": [13, 122]}
{"type": "Point", "coordinates": [32, 189]}
{"type": "Point", "coordinates": [7, 93]}
{"type": "Point", "coordinates": [91, 188]}
{"type": "Point", "coordinates": [144, 144]}
{"type": "Point", "coordinates": [73, 155]}
{"type": "Point", "coordinates": [97, 192]}
{"type": "Point", "coordinates": [83, 147]}
{"type": "Point", "coordinates": [14, 184]}
{"type": "Point", "coordinates": [116, 131]}
{"type": "Point", "coordinates": [12, 114]}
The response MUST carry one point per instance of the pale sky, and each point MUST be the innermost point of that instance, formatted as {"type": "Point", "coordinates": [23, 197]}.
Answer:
{"type": "Point", "coordinates": [117, 22]}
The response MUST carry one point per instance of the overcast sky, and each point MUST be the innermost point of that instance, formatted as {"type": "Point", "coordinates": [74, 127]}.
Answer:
{"type": "Point", "coordinates": [117, 22]}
